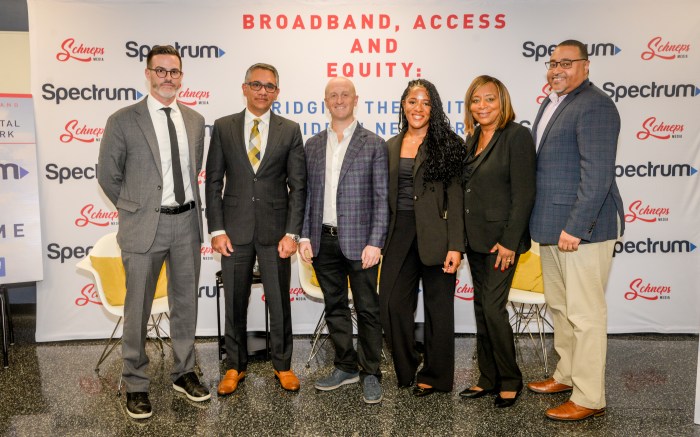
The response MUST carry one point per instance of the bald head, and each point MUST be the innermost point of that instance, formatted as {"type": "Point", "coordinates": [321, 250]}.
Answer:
{"type": "Point", "coordinates": [341, 100]}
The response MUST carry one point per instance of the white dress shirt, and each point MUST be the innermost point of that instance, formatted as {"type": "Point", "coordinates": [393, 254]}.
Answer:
{"type": "Point", "coordinates": [160, 125]}
{"type": "Point", "coordinates": [554, 102]}
{"type": "Point", "coordinates": [335, 154]}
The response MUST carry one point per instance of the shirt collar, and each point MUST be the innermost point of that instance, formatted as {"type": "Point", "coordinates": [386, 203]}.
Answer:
{"type": "Point", "coordinates": [155, 105]}
{"type": "Point", "coordinates": [347, 132]}
{"type": "Point", "coordinates": [249, 117]}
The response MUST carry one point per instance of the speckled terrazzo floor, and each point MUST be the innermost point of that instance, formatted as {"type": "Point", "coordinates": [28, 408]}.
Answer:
{"type": "Point", "coordinates": [51, 389]}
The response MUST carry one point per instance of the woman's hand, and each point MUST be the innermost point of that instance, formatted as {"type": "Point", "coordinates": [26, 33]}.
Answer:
{"type": "Point", "coordinates": [505, 257]}
{"type": "Point", "coordinates": [452, 261]}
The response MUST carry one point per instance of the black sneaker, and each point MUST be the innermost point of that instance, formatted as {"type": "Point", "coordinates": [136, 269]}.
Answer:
{"type": "Point", "coordinates": [189, 385]}
{"type": "Point", "coordinates": [138, 406]}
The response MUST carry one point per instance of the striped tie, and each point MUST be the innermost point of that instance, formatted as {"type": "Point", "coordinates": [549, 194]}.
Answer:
{"type": "Point", "coordinates": [254, 145]}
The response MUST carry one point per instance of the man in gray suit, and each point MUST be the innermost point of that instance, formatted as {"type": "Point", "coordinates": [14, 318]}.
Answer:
{"type": "Point", "coordinates": [150, 155]}
{"type": "Point", "coordinates": [256, 213]}
{"type": "Point", "coordinates": [345, 225]}
{"type": "Point", "coordinates": [577, 218]}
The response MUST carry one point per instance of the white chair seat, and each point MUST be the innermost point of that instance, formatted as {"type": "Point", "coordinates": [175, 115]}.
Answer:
{"type": "Point", "coordinates": [526, 297]}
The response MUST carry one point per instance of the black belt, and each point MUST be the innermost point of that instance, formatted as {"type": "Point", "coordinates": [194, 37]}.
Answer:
{"type": "Point", "coordinates": [177, 209]}
{"type": "Point", "coordinates": [329, 230]}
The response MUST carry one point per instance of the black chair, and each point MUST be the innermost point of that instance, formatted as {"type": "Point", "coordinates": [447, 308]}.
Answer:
{"type": "Point", "coordinates": [253, 349]}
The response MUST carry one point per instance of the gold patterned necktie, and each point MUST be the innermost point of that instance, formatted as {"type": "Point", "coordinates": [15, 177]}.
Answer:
{"type": "Point", "coordinates": [254, 145]}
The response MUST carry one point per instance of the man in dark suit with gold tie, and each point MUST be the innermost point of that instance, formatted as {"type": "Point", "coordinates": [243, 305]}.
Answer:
{"type": "Point", "coordinates": [257, 212]}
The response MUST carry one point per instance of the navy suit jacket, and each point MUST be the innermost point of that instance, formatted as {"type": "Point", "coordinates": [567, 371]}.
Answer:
{"type": "Point", "coordinates": [576, 188]}
{"type": "Point", "coordinates": [266, 204]}
{"type": "Point", "coordinates": [362, 205]}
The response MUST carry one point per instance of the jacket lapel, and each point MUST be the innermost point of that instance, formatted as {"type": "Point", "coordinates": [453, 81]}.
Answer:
{"type": "Point", "coordinates": [356, 143]}
{"type": "Point", "coordinates": [484, 153]}
{"type": "Point", "coordinates": [240, 139]}
{"type": "Point", "coordinates": [143, 118]}
{"type": "Point", "coordinates": [570, 98]}
{"type": "Point", "coordinates": [190, 127]}
{"type": "Point", "coordinates": [273, 139]}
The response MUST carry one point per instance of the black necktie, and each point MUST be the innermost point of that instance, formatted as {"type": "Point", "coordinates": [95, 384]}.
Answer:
{"type": "Point", "coordinates": [178, 186]}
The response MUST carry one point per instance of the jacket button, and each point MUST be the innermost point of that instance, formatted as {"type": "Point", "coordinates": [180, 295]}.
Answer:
{"type": "Point", "coordinates": [415, 197]}
{"type": "Point", "coordinates": [255, 179]}
{"type": "Point", "coordinates": [466, 210]}
{"type": "Point", "coordinates": [159, 187]}
{"type": "Point", "coordinates": [253, 198]}
{"type": "Point", "coordinates": [469, 190]}
{"type": "Point", "coordinates": [157, 209]}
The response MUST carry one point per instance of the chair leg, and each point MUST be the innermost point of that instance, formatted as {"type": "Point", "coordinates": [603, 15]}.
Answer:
{"type": "Point", "coordinates": [9, 315]}
{"type": "Point", "coordinates": [105, 352]}
{"type": "Point", "coordinates": [316, 341]}
{"type": "Point", "coordinates": [219, 286]}
{"type": "Point", "coordinates": [5, 328]}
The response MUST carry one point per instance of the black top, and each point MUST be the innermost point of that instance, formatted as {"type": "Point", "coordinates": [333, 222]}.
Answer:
{"type": "Point", "coordinates": [405, 198]}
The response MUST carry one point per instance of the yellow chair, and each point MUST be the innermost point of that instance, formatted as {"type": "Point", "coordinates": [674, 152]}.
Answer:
{"type": "Point", "coordinates": [105, 264]}
{"type": "Point", "coordinates": [526, 298]}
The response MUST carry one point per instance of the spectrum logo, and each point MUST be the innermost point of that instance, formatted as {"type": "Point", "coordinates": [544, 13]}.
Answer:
{"type": "Point", "coordinates": [659, 130]}
{"type": "Point", "coordinates": [651, 246]}
{"type": "Point", "coordinates": [2, 266]}
{"type": "Point", "coordinates": [192, 97]}
{"type": "Point", "coordinates": [539, 51]}
{"type": "Point", "coordinates": [652, 170]}
{"type": "Point", "coordinates": [59, 94]}
{"type": "Point", "coordinates": [75, 132]}
{"type": "Point", "coordinates": [89, 215]}
{"type": "Point", "coordinates": [652, 90]}
{"type": "Point", "coordinates": [639, 289]}
{"type": "Point", "coordinates": [17, 171]}
{"type": "Point", "coordinates": [546, 91]}
{"type": "Point", "coordinates": [79, 52]}
{"type": "Point", "coordinates": [645, 213]}
{"type": "Point", "coordinates": [136, 50]}
{"type": "Point", "coordinates": [665, 50]}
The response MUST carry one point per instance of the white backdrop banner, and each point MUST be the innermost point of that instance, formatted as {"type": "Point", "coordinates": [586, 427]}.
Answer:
{"type": "Point", "coordinates": [20, 227]}
{"type": "Point", "coordinates": [88, 59]}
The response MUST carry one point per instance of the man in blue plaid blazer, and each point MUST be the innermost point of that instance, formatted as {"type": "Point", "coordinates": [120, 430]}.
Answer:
{"type": "Point", "coordinates": [345, 225]}
{"type": "Point", "coordinates": [576, 219]}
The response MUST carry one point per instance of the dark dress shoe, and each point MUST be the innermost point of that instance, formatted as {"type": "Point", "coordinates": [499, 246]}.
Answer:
{"type": "Point", "coordinates": [468, 393]}
{"type": "Point", "coordinates": [138, 406]}
{"type": "Point", "coordinates": [410, 384]}
{"type": "Point", "coordinates": [419, 391]}
{"type": "Point", "coordinates": [507, 402]}
{"type": "Point", "coordinates": [189, 385]}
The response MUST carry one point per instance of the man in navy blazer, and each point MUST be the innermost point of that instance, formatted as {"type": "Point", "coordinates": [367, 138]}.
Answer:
{"type": "Point", "coordinates": [576, 219]}
{"type": "Point", "coordinates": [345, 225]}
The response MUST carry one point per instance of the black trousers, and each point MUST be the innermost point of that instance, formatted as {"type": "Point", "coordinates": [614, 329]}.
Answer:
{"type": "Point", "coordinates": [237, 271]}
{"type": "Point", "coordinates": [494, 335]}
{"type": "Point", "coordinates": [332, 270]}
{"type": "Point", "coordinates": [402, 270]}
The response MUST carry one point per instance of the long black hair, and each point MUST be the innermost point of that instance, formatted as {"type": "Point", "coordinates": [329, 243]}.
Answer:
{"type": "Point", "coordinates": [445, 149]}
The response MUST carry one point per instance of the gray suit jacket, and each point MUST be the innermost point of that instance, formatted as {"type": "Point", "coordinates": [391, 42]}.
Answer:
{"type": "Point", "coordinates": [129, 171]}
{"type": "Point", "coordinates": [576, 188]}
{"type": "Point", "coordinates": [362, 205]}
{"type": "Point", "coordinates": [266, 204]}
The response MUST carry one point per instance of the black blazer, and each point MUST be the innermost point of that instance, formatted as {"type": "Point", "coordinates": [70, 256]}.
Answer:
{"type": "Point", "coordinates": [500, 194]}
{"type": "Point", "coordinates": [436, 236]}
{"type": "Point", "coordinates": [271, 200]}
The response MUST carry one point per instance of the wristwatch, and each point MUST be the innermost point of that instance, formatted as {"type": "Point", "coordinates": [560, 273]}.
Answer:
{"type": "Point", "coordinates": [294, 237]}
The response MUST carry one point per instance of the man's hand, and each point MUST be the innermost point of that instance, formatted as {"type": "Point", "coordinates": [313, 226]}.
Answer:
{"type": "Point", "coordinates": [306, 252]}
{"type": "Point", "coordinates": [370, 256]}
{"type": "Point", "coordinates": [568, 243]}
{"type": "Point", "coordinates": [222, 244]}
{"type": "Point", "coordinates": [452, 261]}
{"type": "Point", "coordinates": [286, 247]}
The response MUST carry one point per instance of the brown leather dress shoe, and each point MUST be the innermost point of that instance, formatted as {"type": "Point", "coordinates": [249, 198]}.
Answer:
{"type": "Point", "coordinates": [570, 411]}
{"type": "Point", "coordinates": [548, 386]}
{"type": "Point", "coordinates": [230, 382]}
{"type": "Point", "coordinates": [288, 380]}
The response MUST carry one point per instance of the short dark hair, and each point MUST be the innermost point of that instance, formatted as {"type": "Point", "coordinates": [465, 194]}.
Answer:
{"type": "Point", "coordinates": [262, 66]}
{"type": "Point", "coordinates": [583, 51]}
{"type": "Point", "coordinates": [162, 50]}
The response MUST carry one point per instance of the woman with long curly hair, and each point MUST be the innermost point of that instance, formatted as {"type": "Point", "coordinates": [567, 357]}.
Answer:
{"type": "Point", "coordinates": [425, 239]}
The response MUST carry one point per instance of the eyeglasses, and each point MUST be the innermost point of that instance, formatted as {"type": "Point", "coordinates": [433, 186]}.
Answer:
{"type": "Point", "coordinates": [255, 86]}
{"type": "Point", "coordinates": [565, 63]}
{"type": "Point", "coordinates": [162, 72]}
